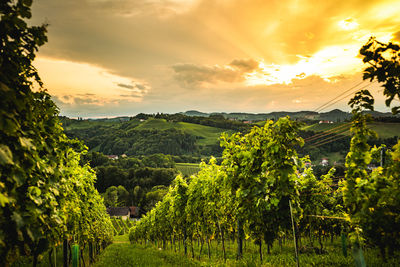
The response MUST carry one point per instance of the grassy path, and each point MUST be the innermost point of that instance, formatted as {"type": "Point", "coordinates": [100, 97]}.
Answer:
{"type": "Point", "coordinates": [122, 253]}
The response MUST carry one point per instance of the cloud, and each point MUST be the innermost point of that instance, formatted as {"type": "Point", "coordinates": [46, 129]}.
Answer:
{"type": "Point", "coordinates": [132, 8]}
{"type": "Point", "coordinates": [396, 36]}
{"type": "Point", "coordinates": [241, 55]}
{"type": "Point", "coordinates": [127, 86]}
{"type": "Point", "coordinates": [136, 89]}
{"type": "Point", "coordinates": [190, 73]}
{"type": "Point", "coordinates": [246, 65]}
{"type": "Point", "coordinates": [66, 78]}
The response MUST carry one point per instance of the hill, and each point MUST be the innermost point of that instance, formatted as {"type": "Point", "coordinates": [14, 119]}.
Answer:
{"type": "Point", "coordinates": [335, 115]}
{"type": "Point", "coordinates": [384, 130]}
{"type": "Point", "coordinates": [143, 137]}
{"type": "Point", "coordinates": [178, 134]}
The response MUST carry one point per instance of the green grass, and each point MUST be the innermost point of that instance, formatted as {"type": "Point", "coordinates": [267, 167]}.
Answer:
{"type": "Point", "coordinates": [384, 130]}
{"type": "Point", "coordinates": [187, 169]}
{"type": "Point", "coordinates": [43, 260]}
{"type": "Point", "coordinates": [334, 156]}
{"type": "Point", "coordinates": [151, 123]}
{"type": "Point", "coordinates": [122, 253]}
{"type": "Point", "coordinates": [89, 124]}
{"type": "Point", "coordinates": [208, 135]}
{"type": "Point", "coordinates": [316, 127]}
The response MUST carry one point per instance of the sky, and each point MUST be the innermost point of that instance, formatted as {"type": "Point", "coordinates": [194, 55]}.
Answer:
{"type": "Point", "coordinates": [109, 58]}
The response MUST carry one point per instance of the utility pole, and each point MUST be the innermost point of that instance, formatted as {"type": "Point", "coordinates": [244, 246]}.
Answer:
{"type": "Point", "coordinates": [383, 156]}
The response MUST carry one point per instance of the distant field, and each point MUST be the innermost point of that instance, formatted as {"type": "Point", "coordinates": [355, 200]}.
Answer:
{"type": "Point", "coordinates": [89, 124]}
{"type": "Point", "coordinates": [188, 169]}
{"type": "Point", "coordinates": [209, 135]}
{"type": "Point", "coordinates": [384, 130]}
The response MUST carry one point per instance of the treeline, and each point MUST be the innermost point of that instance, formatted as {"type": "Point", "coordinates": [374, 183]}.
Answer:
{"type": "Point", "coordinates": [113, 141]}
{"type": "Point", "coordinates": [131, 181]}
{"type": "Point", "coordinates": [387, 119]}
{"type": "Point", "coordinates": [218, 121]}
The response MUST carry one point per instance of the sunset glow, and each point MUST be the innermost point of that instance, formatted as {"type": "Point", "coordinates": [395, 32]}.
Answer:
{"type": "Point", "coordinates": [169, 56]}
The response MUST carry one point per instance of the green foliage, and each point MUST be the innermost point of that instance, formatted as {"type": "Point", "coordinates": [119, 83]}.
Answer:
{"type": "Point", "coordinates": [45, 194]}
{"type": "Point", "coordinates": [145, 177]}
{"type": "Point", "coordinates": [371, 198]}
{"type": "Point", "coordinates": [187, 169]}
{"type": "Point", "coordinates": [261, 175]}
{"type": "Point", "coordinates": [362, 100]}
{"type": "Point", "coordinates": [18, 45]}
{"type": "Point", "coordinates": [159, 136]}
{"type": "Point", "coordinates": [116, 196]}
{"type": "Point", "coordinates": [124, 254]}
{"type": "Point", "coordinates": [384, 66]}
{"type": "Point", "coordinates": [254, 184]}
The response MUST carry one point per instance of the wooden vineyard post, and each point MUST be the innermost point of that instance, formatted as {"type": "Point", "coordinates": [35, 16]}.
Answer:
{"type": "Point", "coordinates": [65, 252]}
{"type": "Point", "coordinates": [294, 235]}
{"type": "Point", "coordinates": [90, 253]}
{"type": "Point", "coordinates": [344, 246]}
{"type": "Point", "coordinates": [55, 256]}
{"type": "Point", "coordinates": [239, 239]}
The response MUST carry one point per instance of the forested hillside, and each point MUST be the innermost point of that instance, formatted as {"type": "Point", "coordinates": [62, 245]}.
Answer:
{"type": "Point", "coordinates": [198, 136]}
{"type": "Point", "coordinates": [148, 136]}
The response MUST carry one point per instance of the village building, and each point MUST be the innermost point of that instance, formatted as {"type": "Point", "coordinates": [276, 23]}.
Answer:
{"type": "Point", "coordinates": [125, 213]}
{"type": "Point", "coordinates": [121, 212]}
{"type": "Point", "coordinates": [324, 162]}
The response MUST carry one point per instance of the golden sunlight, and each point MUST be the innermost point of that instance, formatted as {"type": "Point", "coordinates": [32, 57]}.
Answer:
{"type": "Point", "coordinates": [63, 77]}
{"type": "Point", "coordinates": [327, 63]}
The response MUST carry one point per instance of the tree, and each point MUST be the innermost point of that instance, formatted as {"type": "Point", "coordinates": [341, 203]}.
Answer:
{"type": "Point", "coordinates": [372, 199]}
{"type": "Point", "coordinates": [384, 66]}
{"type": "Point", "coordinates": [111, 197]}
{"type": "Point", "coordinates": [38, 201]}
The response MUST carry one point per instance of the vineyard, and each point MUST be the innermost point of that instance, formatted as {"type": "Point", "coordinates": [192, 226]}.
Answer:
{"type": "Point", "coordinates": [48, 201]}
{"type": "Point", "coordinates": [261, 206]}
{"type": "Point", "coordinates": [187, 169]}
{"type": "Point", "coordinates": [263, 193]}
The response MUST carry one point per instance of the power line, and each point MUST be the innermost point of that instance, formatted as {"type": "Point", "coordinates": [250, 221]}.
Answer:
{"type": "Point", "coordinates": [320, 108]}
{"type": "Point", "coordinates": [324, 143]}
{"type": "Point", "coordinates": [346, 96]}
{"type": "Point", "coordinates": [328, 132]}
{"type": "Point", "coordinates": [334, 134]}
{"type": "Point", "coordinates": [327, 139]}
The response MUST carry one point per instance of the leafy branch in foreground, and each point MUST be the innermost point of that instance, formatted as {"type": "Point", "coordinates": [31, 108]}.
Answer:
{"type": "Point", "coordinates": [45, 195]}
